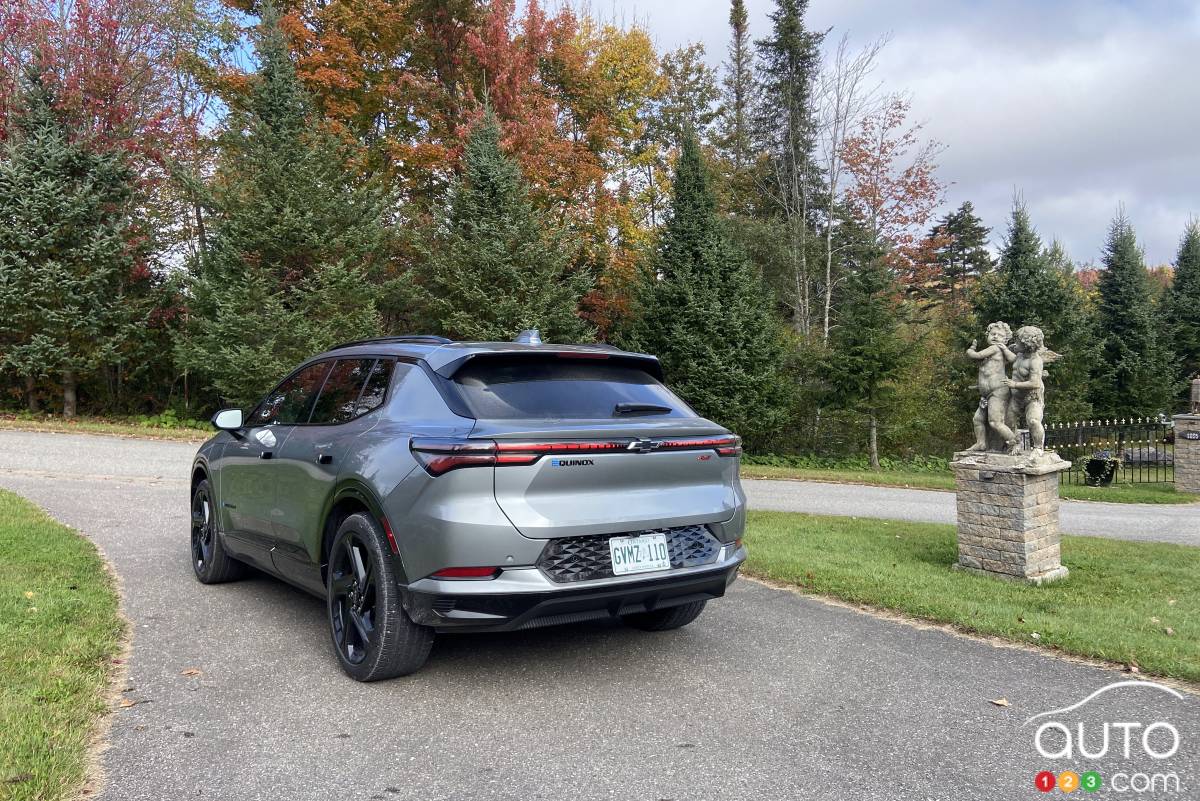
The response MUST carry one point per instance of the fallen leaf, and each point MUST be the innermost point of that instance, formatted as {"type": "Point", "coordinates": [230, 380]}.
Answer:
{"type": "Point", "coordinates": [1170, 631]}
{"type": "Point", "coordinates": [190, 672]}
{"type": "Point", "coordinates": [1001, 702]}
{"type": "Point", "coordinates": [127, 702]}
{"type": "Point", "coordinates": [32, 609]}
{"type": "Point", "coordinates": [1171, 602]}
{"type": "Point", "coordinates": [1132, 668]}
{"type": "Point", "coordinates": [28, 594]}
{"type": "Point", "coordinates": [1154, 620]}
{"type": "Point", "coordinates": [1036, 636]}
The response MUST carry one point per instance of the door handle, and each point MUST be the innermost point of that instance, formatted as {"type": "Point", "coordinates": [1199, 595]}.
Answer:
{"type": "Point", "coordinates": [324, 458]}
{"type": "Point", "coordinates": [265, 455]}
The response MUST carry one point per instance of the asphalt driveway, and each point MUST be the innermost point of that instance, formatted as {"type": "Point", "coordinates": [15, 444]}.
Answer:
{"type": "Point", "coordinates": [769, 695]}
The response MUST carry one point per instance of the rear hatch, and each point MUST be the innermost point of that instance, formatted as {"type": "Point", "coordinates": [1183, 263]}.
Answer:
{"type": "Point", "coordinates": [596, 446]}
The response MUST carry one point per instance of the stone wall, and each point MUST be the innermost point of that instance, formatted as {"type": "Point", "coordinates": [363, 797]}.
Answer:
{"type": "Point", "coordinates": [1008, 518]}
{"type": "Point", "coordinates": [1187, 453]}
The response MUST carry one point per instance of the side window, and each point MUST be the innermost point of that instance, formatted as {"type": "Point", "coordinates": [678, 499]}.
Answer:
{"type": "Point", "coordinates": [377, 383]}
{"type": "Point", "coordinates": [338, 400]}
{"type": "Point", "coordinates": [289, 403]}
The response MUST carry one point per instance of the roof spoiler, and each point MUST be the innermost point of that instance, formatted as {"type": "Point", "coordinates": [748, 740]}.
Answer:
{"type": "Point", "coordinates": [641, 361]}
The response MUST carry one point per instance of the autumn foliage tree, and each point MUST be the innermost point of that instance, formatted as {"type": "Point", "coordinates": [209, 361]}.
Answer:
{"type": "Point", "coordinates": [894, 187]}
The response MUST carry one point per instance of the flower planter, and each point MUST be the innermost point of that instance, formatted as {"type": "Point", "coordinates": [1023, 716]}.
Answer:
{"type": "Point", "coordinates": [1100, 472]}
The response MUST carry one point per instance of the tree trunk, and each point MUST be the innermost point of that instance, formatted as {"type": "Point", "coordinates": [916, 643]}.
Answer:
{"type": "Point", "coordinates": [31, 394]}
{"type": "Point", "coordinates": [68, 393]}
{"type": "Point", "coordinates": [873, 440]}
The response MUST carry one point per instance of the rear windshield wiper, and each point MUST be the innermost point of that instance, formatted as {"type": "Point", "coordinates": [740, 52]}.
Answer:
{"type": "Point", "coordinates": [641, 408]}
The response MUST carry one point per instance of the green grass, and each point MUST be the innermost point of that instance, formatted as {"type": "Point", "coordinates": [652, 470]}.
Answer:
{"type": "Point", "coordinates": [59, 631]}
{"type": "Point", "coordinates": [1116, 605]}
{"type": "Point", "coordinates": [146, 427]}
{"type": "Point", "coordinates": [1117, 493]}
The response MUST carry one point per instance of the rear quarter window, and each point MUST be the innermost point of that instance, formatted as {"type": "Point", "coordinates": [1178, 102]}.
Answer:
{"type": "Point", "coordinates": [561, 389]}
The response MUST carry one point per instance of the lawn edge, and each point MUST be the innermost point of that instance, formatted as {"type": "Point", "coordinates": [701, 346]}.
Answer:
{"type": "Point", "coordinates": [94, 775]}
{"type": "Point", "coordinates": [994, 640]}
{"type": "Point", "coordinates": [148, 435]}
{"type": "Point", "coordinates": [898, 485]}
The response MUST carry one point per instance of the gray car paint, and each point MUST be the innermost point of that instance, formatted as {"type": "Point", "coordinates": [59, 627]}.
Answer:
{"type": "Point", "coordinates": [469, 517]}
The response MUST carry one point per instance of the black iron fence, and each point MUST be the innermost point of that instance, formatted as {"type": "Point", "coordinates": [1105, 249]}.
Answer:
{"type": "Point", "coordinates": [1124, 451]}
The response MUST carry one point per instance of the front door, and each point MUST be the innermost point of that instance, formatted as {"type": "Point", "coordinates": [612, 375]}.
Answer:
{"type": "Point", "coordinates": [249, 473]}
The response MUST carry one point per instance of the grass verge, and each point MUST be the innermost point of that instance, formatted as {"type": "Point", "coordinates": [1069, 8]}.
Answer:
{"type": "Point", "coordinates": [1126, 602]}
{"type": "Point", "coordinates": [60, 629]}
{"type": "Point", "coordinates": [101, 425]}
{"type": "Point", "coordinates": [1117, 493]}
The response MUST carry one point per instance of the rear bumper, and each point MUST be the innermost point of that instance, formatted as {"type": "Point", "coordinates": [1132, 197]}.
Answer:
{"type": "Point", "coordinates": [524, 598]}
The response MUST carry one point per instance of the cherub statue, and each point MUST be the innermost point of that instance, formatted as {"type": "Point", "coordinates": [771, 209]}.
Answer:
{"type": "Point", "coordinates": [1027, 390]}
{"type": "Point", "coordinates": [993, 388]}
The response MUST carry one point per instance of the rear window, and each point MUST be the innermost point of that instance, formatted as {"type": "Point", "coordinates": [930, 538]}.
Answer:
{"type": "Point", "coordinates": [563, 389]}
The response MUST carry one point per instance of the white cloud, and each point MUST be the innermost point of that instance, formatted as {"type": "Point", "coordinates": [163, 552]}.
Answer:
{"type": "Point", "coordinates": [1080, 104]}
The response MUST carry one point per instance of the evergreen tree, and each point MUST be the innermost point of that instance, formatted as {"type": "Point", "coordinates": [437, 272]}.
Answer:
{"type": "Point", "coordinates": [1031, 286]}
{"type": "Point", "coordinates": [296, 245]}
{"type": "Point", "coordinates": [1183, 306]}
{"type": "Point", "coordinates": [69, 245]}
{"type": "Point", "coordinates": [496, 264]}
{"type": "Point", "coordinates": [736, 141]}
{"type": "Point", "coordinates": [866, 350]}
{"type": "Point", "coordinates": [961, 253]}
{"type": "Point", "coordinates": [1134, 373]}
{"type": "Point", "coordinates": [704, 313]}
{"type": "Point", "coordinates": [785, 130]}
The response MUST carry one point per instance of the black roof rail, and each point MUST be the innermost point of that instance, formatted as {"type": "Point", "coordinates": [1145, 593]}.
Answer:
{"type": "Point", "coordinates": [416, 339]}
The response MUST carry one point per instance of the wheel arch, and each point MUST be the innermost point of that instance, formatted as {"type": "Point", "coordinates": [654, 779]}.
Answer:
{"type": "Point", "coordinates": [199, 473]}
{"type": "Point", "coordinates": [352, 497]}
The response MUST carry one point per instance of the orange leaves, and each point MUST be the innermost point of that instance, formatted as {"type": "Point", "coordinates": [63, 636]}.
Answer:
{"type": "Point", "coordinates": [894, 189]}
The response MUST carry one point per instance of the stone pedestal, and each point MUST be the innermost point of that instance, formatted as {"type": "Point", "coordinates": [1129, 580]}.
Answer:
{"type": "Point", "coordinates": [1008, 515]}
{"type": "Point", "coordinates": [1187, 452]}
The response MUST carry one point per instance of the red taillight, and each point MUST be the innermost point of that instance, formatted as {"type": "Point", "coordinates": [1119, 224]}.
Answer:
{"type": "Point", "coordinates": [467, 573]}
{"type": "Point", "coordinates": [724, 446]}
{"type": "Point", "coordinates": [440, 456]}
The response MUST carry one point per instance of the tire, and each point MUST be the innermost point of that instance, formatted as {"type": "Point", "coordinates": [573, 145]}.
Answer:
{"type": "Point", "coordinates": [674, 617]}
{"type": "Point", "coordinates": [373, 636]}
{"type": "Point", "coordinates": [211, 563]}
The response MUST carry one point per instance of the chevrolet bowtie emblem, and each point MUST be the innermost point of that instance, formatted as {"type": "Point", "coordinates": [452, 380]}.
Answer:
{"type": "Point", "coordinates": [643, 445]}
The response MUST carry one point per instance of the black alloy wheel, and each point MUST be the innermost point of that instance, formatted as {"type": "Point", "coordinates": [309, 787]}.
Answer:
{"type": "Point", "coordinates": [352, 589]}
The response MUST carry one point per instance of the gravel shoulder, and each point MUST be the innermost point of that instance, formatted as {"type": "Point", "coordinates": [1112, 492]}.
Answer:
{"type": "Point", "coordinates": [770, 694]}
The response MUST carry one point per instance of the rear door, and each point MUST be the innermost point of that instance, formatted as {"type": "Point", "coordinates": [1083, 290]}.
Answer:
{"type": "Point", "coordinates": [597, 447]}
{"type": "Point", "coordinates": [309, 463]}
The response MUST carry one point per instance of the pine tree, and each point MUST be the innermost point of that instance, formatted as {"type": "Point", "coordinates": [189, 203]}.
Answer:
{"type": "Point", "coordinates": [1183, 306]}
{"type": "Point", "coordinates": [68, 246]}
{"type": "Point", "coordinates": [866, 350]}
{"type": "Point", "coordinates": [785, 130]}
{"type": "Point", "coordinates": [1134, 374]}
{"type": "Point", "coordinates": [704, 313]}
{"type": "Point", "coordinates": [1031, 286]}
{"type": "Point", "coordinates": [961, 253]}
{"type": "Point", "coordinates": [496, 264]}
{"type": "Point", "coordinates": [296, 245]}
{"type": "Point", "coordinates": [736, 141]}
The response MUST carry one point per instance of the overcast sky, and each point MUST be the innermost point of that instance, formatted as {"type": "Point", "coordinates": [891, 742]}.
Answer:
{"type": "Point", "coordinates": [1079, 104]}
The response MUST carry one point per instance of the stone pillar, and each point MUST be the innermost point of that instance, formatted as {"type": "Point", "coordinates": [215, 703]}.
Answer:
{"type": "Point", "coordinates": [1187, 452]}
{"type": "Point", "coordinates": [1008, 515]}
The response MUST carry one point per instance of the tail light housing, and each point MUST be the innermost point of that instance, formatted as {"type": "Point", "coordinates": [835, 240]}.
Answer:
{"type": "Point", "coordinates": [440, 456]}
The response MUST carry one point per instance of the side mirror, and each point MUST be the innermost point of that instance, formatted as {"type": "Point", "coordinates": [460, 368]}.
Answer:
{"type": "Point", "coordinates": [228, 419]}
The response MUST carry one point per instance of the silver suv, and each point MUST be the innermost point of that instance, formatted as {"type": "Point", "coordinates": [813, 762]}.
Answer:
{"type": "Point", "coordinates": [421, 485]}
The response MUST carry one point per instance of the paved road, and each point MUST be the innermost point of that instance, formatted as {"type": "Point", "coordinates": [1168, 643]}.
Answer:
{"type": "Point", "coordinates": [1157, 522]}
{"type": "Point", "coordinates": [769, 695]}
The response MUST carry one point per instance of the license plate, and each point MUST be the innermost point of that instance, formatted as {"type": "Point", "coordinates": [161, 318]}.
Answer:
{"type": "Point", "coordinates": [639, 554]}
